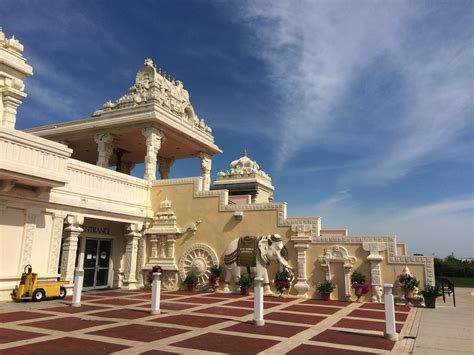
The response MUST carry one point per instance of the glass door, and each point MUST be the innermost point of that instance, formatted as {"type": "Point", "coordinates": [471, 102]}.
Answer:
{"type": "Point", "coordinates": [96, 263]}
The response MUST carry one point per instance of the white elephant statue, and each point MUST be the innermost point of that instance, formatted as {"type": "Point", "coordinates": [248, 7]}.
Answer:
{"type": "Point", "coordinates": [253, 255]}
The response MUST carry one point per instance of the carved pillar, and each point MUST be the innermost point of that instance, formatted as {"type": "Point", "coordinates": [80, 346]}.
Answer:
{"type": "Point", "coordinates": [164, 167]}
{"type": "Point", "coordinates": [55, 249]}
{"type": "Point", "coordinates": [154, 246]}
{"type": "Point", "coordinates": [131, 255]}
{"type": "Point", "coordinates": [206, 164]}
{"type": "Point", "coordinates": [105, 148]}
{"type": "Point", "coordinates": [347, 281]}
{"type": "Point", "coordinates": [70, 238]}
{"type": "Point", "coordinates": [375, 271]}
{"type": "Point", "coordinates": [163, 246]}
{"type": "Point", "coordinates": [28, 237]}
{"type": "Point", "coordinates": [170, 239]}
{"type": "Point", "coordinates": [141, 259]}
{"type": "Point", "coordinates": [301, 242]}
{"type": "Point", "coordinates": [12, 96]}
{"type": "Point", "coordinates": [154, 139]}
{"type": "Point", "coordinates": [12, 72]}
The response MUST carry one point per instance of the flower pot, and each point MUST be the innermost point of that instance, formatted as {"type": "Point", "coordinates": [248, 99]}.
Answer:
{"type": "Point", "coordinates": [191, 287]}
{"type": "Point", "coordinates": [430, 301]}
{"type": "Point", "coordinates": [325, 296]}
{"type": "Point", "coordinates": [244, 291]}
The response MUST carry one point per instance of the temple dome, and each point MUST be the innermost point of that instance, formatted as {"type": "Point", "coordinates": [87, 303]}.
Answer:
{"type": "Point", "coordinates": [244, 166]}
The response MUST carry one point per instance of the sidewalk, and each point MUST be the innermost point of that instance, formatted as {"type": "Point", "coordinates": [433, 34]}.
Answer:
{"type": "Point", "coordinates": [447, 330]}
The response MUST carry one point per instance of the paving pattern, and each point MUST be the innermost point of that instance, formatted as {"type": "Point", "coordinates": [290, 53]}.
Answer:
{"type": "Point", "coordinates": [119, 321]}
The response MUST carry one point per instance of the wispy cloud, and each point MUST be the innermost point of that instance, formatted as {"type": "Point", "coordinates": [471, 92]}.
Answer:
{"type": "Point", "coordinates": [317, 52]}
{"type": "Point", "coordinates": [438, 227]}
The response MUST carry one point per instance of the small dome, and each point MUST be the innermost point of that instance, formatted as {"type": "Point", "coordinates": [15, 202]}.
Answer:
{"type": "Point", "coordinates": [244, 166]}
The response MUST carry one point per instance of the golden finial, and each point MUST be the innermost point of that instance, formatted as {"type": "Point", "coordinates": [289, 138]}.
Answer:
{"type": "Point", "coordinates": [164, 74]}
{"type": "Point", "coordinates": [169, 77]}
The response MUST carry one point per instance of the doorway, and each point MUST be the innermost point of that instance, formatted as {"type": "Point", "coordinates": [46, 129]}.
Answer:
{"type": "Point", "coordinates": [96, 263]}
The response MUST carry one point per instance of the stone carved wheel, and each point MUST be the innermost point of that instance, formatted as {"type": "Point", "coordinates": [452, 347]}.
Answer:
{"type": "Point", "coordinates": [198, 259]}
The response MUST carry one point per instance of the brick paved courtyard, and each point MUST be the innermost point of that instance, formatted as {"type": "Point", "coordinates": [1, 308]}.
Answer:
{"type": "Point", "coordinates": [118, 321]}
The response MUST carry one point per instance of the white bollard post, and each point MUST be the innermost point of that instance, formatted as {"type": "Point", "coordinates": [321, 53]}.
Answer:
{"type": "Point", "coordinates": [155, 293]}
{"type": "Point", "coordinates": [77, 291]}
{"type": "Point", "coordinates": [258, 302]}
{"type": "Point", "coordinates": [390, 329]}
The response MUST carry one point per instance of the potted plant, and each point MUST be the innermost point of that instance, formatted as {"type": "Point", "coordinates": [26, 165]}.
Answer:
{"type": "Point", "coordinates": [191, 281]}
{"type": "Point", "coordinates": [430, 293]}
{"type": "Point", "coordinates": [408, 282]}
{"type": "Point", "coordinates": [245, 282]}
{"type": "Point", "coordinates": [359, 285]}
{"type": "Point", "coordinates": [149, 277]}
{"type": "Point", "coordinates": [325, 288]}
{"type": "Point", "coordinates": [215, 276]}
{"type": "Point", "coordinates": [282, 280]}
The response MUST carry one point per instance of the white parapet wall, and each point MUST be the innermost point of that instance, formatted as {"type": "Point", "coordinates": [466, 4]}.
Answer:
{"type": "Point", "coordinates": [96, 188]}
{"type": "Point", "coordinates": [31, 160]}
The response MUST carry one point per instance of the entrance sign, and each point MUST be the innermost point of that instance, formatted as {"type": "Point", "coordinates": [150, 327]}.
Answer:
{"type": "Point", "coordinates": [96, 230]}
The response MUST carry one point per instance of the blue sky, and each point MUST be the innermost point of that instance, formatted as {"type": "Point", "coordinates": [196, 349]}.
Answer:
{"type": "Point", "coordinates": [361, 113]}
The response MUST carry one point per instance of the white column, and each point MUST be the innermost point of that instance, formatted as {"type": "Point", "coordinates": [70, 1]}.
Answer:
{"type": "Point", "coordinates": [131, 255]}
{"type": "Point", "coordinates": [258, 302]}
{"type": "Point", "coordinates": [301, 242]}
{"type": "Point", "coordinates": [375, 271]}
{"type": "Point", "coordinates": [154, 139]}
{"type": "Point", "coordinates": [78, 283]}
{"type": "Point", "coordinates": [206, 165]}
{"type": "Point", "coordinates": [105, 148]}
{"type": "Point", "coordinates": [155, 293]}
{"type": "Point", "coordinates": [390, 329]}
{"type": "Point", "coordinates": [164, 167]}
{"type": "Point", "coordinates": [70, 237]}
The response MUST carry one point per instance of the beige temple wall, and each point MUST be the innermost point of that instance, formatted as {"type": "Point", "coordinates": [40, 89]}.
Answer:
{"type": "Point", "coordinates": [218, 227]}
{"type": "Point", "coordinates": [28, 235]}
{"type": "Point", "coordinates": [389, 271]}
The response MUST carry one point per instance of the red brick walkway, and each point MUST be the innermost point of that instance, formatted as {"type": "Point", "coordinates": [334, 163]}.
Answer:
{"type": "Point", "coordinates": [119, 321]}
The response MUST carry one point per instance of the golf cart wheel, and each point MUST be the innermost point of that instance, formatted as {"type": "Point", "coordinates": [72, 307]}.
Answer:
{"type": "Point", "coordinates": [38, 295]}
{"type": "Point", "coordinates": [62, 292]}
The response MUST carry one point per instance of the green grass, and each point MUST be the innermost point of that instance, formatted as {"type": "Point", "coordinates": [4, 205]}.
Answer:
{"type": "Point", "coordinates": [462, 281]}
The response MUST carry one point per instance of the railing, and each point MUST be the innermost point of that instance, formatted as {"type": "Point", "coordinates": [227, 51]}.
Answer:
{"type": "Point", "coordinates": [32, 160]}
{"type": "Point", "coordinates": [105, 186]}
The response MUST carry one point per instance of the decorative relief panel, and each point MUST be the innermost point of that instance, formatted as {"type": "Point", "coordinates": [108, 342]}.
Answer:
{"type": "Point", "coordinates": [197, 259]}
{"type": "Point", "coordinates": [338, 253]}
{"type": "Point", "coordinates": [29, 233]}
{"type": "Point", "coordinates": [55, 250]}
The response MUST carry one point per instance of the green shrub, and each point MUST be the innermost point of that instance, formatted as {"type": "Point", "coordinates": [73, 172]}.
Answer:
{"type": "Point", "coordinates": [325, 286]}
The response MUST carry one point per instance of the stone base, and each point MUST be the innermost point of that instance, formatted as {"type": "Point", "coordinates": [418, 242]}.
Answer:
{"type": "Point", "coordinates": [129, 286]}
{"type": "Point", "coordinates": [392, 337]}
